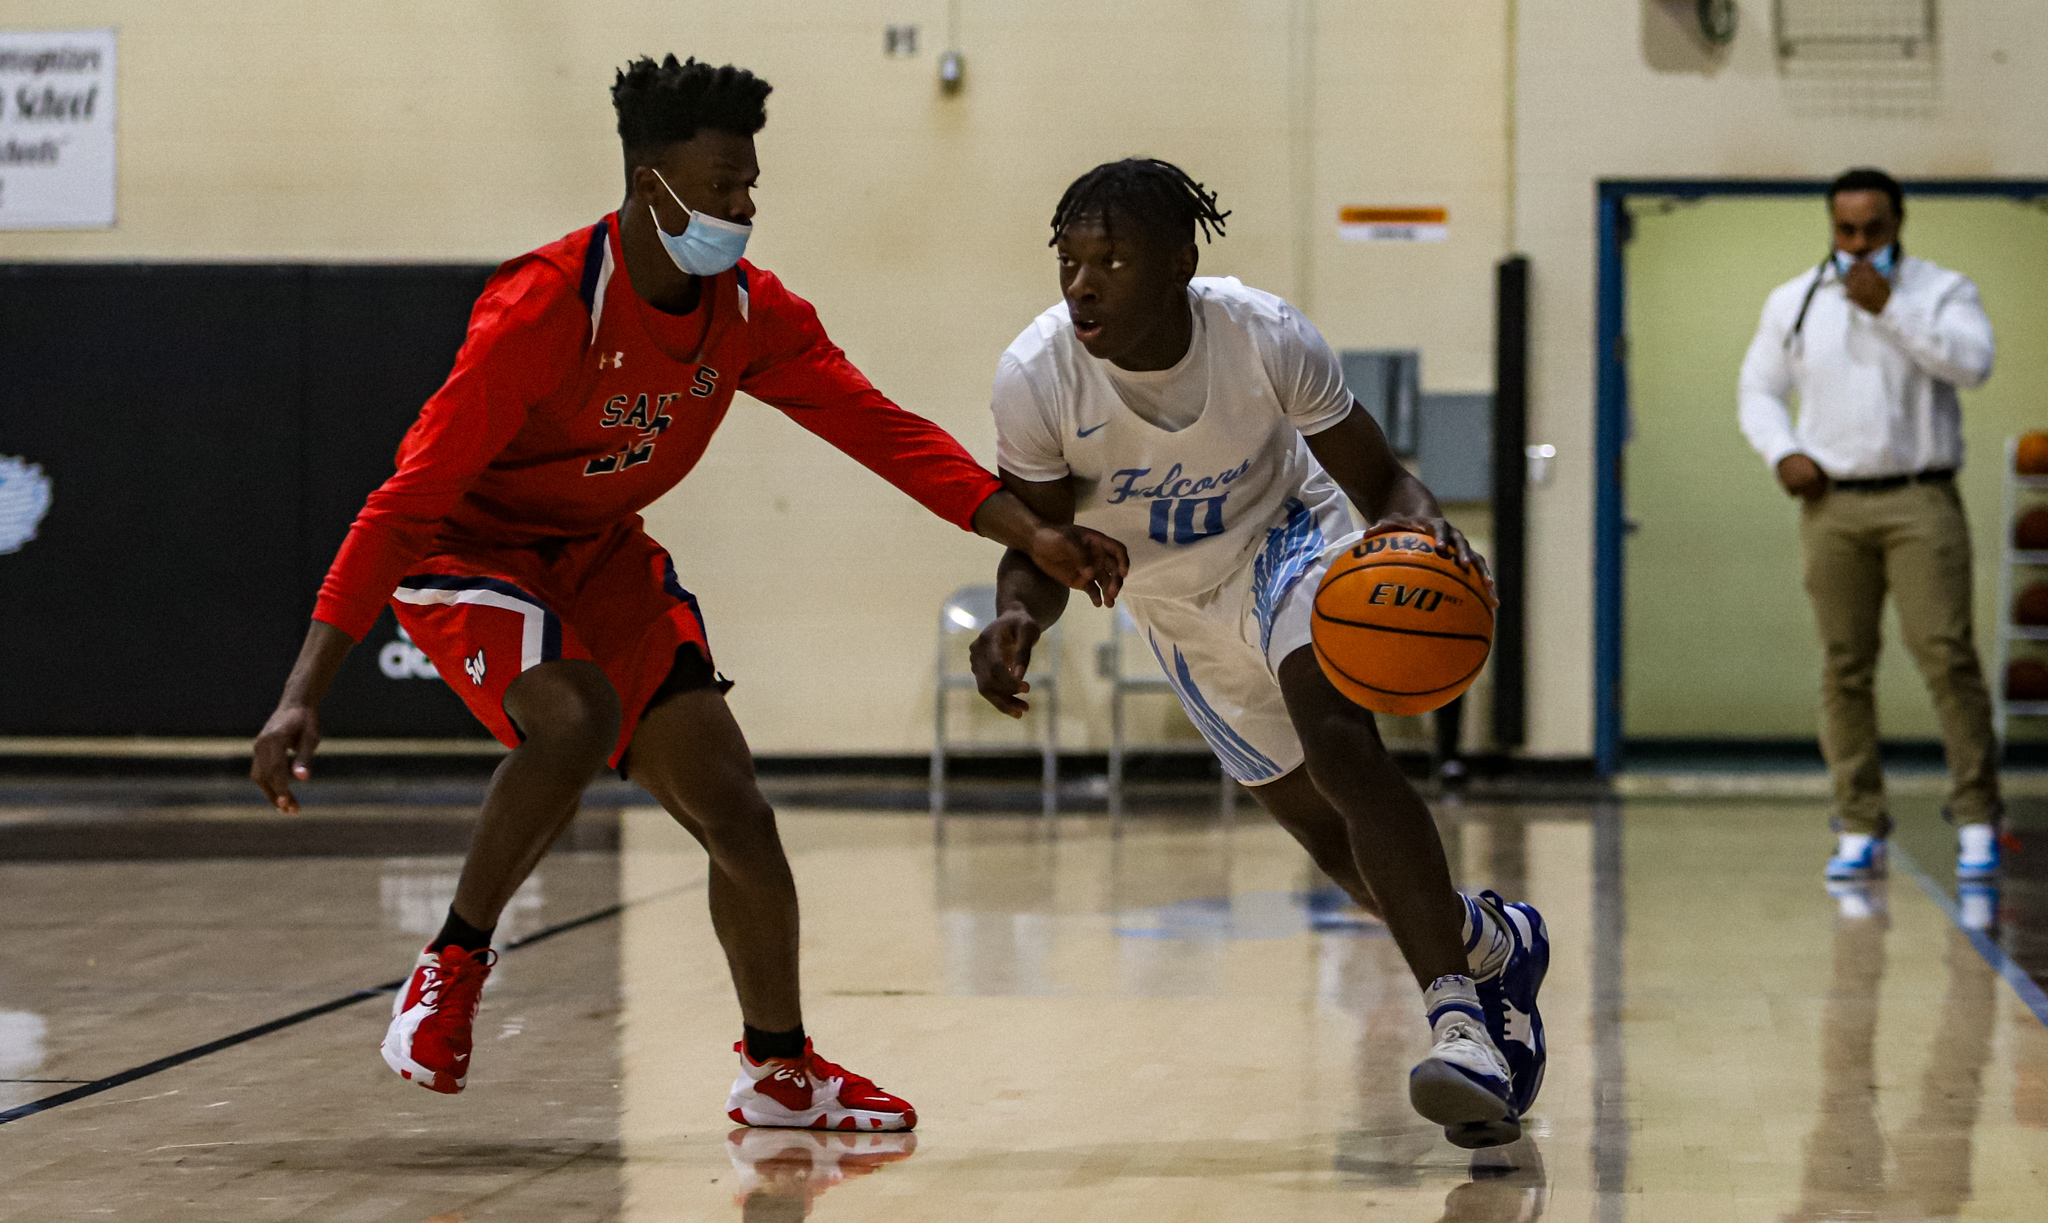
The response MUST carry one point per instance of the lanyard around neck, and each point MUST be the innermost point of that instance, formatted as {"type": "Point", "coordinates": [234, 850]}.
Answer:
{"type": "Point", "coordinates": [1820, 275]}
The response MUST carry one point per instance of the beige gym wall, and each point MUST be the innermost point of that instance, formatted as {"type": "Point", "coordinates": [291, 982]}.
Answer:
{"type": "Point", "coordinates": [916, 223]}
{"type": "Point", "coordinates": [473, 130]}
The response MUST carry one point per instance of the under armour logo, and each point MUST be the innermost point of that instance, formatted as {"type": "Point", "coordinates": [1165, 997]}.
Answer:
{"type": "Point", "coordinates": [615, 360]}
{"type": "Point", "coordinates": [475, 668]}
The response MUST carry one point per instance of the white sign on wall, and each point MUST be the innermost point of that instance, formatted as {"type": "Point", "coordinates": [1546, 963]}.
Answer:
{"type": "Point", "coordinates": [57, 129]}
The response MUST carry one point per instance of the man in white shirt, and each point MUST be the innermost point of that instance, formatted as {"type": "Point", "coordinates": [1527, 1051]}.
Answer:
{"type": "Point", "coordinates": [1876, 344]}
{"type": "Point", "coordinates": [1207, 427]}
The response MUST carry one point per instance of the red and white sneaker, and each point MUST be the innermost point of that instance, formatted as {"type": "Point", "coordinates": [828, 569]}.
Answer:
{"type": "Point", "coordinates": [810, 1093]}
{"type": "Point", "coordinates": [428, 1040]}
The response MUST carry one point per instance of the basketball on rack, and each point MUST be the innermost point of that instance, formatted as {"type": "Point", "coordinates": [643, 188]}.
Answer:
{"type": "Point", "coordinates": [2030, 533]}
{"type": "Point", "coordinates": [2032, 605]}
{"type": "Point", "coordinates": [1399, 626]}
{"type": "Point", "coordinates": [2031, 458]}
{"type": "Point", "coordinates": [2026, 680]}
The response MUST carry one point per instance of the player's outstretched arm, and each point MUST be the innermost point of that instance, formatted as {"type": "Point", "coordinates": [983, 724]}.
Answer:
{"type": "Point", "coordinates": [1358, 458]}
{"type": "Point", "coordinates": [801, 371]}
{"type": "Point", "coordinates": [1028, 600]}
{"type": "Point", "coordinates": [1073, 556]}
{"type": "Point", "coordinates": [284, 749]}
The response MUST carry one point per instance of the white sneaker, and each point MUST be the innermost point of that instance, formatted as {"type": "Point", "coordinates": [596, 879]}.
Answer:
{"type": "Point", "coordinates": [1976, 851]}
{"type": "Point", "coordinates": [1464, 1084]}
{"type": "Point", "coordinates": [1857, 856]}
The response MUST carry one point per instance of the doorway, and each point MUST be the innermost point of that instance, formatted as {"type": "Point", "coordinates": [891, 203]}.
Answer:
{"type": "Point", "coordinates": [1703, 634]}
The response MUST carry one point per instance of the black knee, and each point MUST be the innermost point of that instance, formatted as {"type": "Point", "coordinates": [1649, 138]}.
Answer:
{"type": "Point", "coordinates": [1334, 731]}
{"type": "Point", "coordinates": [566, 709]}
{"type": "Point", "coordinates": [1341, 739]}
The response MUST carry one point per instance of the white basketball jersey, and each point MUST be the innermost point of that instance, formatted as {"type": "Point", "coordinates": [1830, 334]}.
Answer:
{"type": "Point", "coordinates": [1194, 504]}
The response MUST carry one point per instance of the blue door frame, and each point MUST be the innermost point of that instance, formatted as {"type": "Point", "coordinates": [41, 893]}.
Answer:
{"type": "Point", "coordinates": [1611, 418]}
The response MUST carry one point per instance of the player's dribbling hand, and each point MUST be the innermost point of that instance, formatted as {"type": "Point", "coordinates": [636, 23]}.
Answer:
{"type": "Point", "coordinates": [1083, 560]}
{"type": "Point", "coordinates": [1450, 541]}
{"type": "Point", "coordinates": [1001, 655]}
{"type": "Point", "coordinates": [282, 752]}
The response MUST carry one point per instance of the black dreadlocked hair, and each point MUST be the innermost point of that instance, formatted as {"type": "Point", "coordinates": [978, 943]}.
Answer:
{"type": "Point", "coordinates": [665, 103]}
{"type": "Point", "coordinates": [1158, 195]}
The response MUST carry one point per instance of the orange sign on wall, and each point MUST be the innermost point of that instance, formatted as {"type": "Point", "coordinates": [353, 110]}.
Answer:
{"type": "Point", "coordinates": [1417, 224]}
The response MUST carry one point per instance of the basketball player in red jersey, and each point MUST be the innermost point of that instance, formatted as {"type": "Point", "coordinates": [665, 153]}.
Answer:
{"type": "Point", "coordinates": [510, 544]}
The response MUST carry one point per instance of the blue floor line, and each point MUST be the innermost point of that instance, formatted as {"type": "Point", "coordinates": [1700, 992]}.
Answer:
{"type": "Point", "coordinates": [2026, 987]}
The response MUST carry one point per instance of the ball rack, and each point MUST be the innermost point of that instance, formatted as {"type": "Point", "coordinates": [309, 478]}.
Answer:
{"type": "Point", "coordinates": [2021, 492]}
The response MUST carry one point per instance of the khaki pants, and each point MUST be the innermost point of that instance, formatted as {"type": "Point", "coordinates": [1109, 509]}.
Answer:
{"type": "Point", "coordinates": [1913, 542]}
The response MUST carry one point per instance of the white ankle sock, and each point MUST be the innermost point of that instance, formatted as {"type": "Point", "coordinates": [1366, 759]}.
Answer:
{"type": "Point", "coordinates": [1852, 844]}
{"type": "Point", "coordinates": [1487, 942]}
{"type": "Point", "coordinates": [1453, 999]}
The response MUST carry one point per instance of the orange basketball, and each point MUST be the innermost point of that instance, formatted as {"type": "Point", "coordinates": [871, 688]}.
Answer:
{"type": "Point", "coordinates": [1399, 627]}
{"type": "Point", "coordinates": [2031, 456]}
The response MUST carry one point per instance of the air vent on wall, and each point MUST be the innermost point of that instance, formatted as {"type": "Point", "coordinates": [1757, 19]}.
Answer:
{"type": "Point", "coordinates": [1860, 58]}
{"type": "Point", "coordinates": [1855, 29]}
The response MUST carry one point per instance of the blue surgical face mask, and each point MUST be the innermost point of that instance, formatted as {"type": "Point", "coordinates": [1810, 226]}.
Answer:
{"type": "Point", "coordinates": [1882, 261]}
{"type": "Point", "coordinates": [707, 245]}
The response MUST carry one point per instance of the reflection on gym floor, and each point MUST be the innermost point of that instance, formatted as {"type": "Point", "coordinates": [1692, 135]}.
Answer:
{"type": "Point", "coordinates": [1846, 1153]}
{"type": "Point", "coordinates": [1185, 1023]}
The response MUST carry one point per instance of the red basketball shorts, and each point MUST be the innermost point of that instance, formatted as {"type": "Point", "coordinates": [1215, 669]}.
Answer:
{"type": "Point", "coordinates": [487, 615]}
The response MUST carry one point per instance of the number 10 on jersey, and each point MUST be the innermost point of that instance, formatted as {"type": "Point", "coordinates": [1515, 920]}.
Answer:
{"type": "Point", "coordinates": [1184, 520]}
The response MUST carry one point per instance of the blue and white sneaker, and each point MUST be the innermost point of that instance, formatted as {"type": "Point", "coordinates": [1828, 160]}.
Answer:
{"type": "Point", "coordinates": [1857, 856]}
{"type": "Point", "coordinates": [1463, 1085]}
{"type": "Point", "coordinates": [1509, 996]}
{"type": "Point", "coordinates": [1976, 851]}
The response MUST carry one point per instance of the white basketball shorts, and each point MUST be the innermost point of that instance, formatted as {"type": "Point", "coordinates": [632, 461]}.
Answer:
{"type": "Point", "coordinates": [1222, 649]}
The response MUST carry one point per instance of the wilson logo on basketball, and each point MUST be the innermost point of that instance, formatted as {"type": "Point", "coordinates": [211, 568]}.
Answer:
{"type": "Point", "coordinates": [1397, 543]}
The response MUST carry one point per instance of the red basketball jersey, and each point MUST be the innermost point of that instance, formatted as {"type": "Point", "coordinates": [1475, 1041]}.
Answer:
{"type": "Point", "coordinates": [574, 404]}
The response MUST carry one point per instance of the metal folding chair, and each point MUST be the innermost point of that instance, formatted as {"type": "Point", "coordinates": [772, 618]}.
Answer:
{"type": "Point", "coordinates": [962, 616]}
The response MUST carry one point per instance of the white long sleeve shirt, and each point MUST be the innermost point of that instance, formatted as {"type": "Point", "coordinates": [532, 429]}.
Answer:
{"type": "Point", "coordinates": [1877, 392]}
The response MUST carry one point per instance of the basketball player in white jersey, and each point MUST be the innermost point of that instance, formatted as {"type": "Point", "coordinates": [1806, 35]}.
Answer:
{"type": "Point", "coordinates": [1207, 427]}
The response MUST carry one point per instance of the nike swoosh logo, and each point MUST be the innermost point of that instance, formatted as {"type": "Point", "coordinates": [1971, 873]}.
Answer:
{"type": "Point", "coordinates": [1096, 429]}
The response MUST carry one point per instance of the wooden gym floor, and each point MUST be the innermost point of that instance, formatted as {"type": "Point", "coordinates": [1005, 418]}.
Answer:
{"type": "Point", "coordinates": [1162, 1027]}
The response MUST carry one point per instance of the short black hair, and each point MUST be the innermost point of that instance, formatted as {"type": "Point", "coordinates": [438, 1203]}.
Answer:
{"type": "Point", "coordinates": [1868, 178]}
{"type": "Point", "coordinates": [1158, 195]}
{"type": "Point", "coordinates": [666, 103]}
